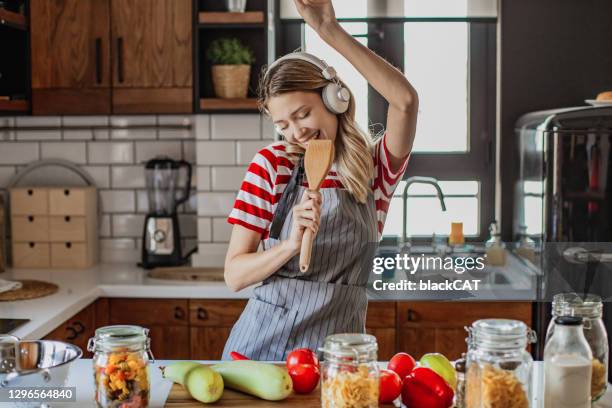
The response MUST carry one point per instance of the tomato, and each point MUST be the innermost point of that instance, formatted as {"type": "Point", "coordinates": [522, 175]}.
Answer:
{"type": "Point", "coordinates": [402, 364]}
{"type": "Point", "coordinates": [305, 377]}
{"type": "Point", "coordinates": [302, 356]}
{"type": "Point", "coordinates": [390, 386]}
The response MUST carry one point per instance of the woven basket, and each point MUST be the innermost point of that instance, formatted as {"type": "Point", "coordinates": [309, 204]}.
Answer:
{"type": "Point", "coordinates": [231, 81]}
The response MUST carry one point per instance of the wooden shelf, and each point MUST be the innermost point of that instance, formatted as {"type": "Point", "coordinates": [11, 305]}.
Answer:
{"type": "Point", "coordinates": [14, 106]}
{"type": "Point", "coordinates": [248, 17]}
{"type": "Point", "coordinates": [218, 104]}
{"type": "Point", "coordinates": [12, 19]}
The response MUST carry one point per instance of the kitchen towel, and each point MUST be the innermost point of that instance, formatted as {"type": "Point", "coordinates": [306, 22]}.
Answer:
{"type": "Point", "coordinates": [6, 285]}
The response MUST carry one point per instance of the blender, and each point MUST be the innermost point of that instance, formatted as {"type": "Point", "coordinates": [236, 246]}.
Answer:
{"type": "Point", "coordinates": [162, 238]}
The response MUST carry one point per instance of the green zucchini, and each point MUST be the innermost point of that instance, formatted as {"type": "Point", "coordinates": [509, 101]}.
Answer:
{"type": "Point", "coordinates": [263, 380]}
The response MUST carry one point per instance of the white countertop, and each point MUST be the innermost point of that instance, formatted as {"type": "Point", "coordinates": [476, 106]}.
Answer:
{"type": "Point", "coordinates": [79, 288]}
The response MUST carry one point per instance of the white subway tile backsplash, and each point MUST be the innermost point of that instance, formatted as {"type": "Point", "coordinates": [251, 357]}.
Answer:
{"type": "Point", "coordinates": [222, 230]}
{"type": "Point", "coordinates": [209, 255]}
{"type": "Point", "coordinates": [203, 178]}
{"type": "Point", "coordinates": [191, 205]}
{"type": "Point", "coordinates": [85, 120]}
{"type": "Point", "coordinates": [204, 229]}
{"type": "Point", "coordinates": [209, 153]}
{"type": "Point", "coordinates": [20, 153]}
{"type": "Point", "coordinates": [267, 128]}
{"type": "Point", "coordinates": [118, 201]}
{"type": "Point", "coordinates": [188, 225]}
{"type": "Point", "coordinates": [148, 150]}
{"type": "Point", "coordinates": [39, 134]}
{"type": "Point", "coordinates": [182, 120]}
{"type": "Point", "coordinates": [7, 134]}
{"type": "Point", "coordinates": [110, 152]}
{"type": "Point", "coordinates": [245, 151]}
{"type": "Point", "coordinates": [227, 178]}
{"type": "Point", "coordinates": [175, 133]}
{"type": "Point", "coordinates": [215, 204]}
{"type": "Point", "coordinates": [142, 201]}
{"type": "Point", "coordinates": [243, 126]}
{"type": "Point", "coordinates": [81, 134]}
{"type": "Point", "coordinates": [128, 225]}
{"type": "Point", "coordinates": [189, 151]}
{"type": "Point", "coordinates": [202, 127]}
{"type": "Point", "coordinates": [128, 177]}
{"type": "Point", "coordinates": [6, 174]}
{"type": "Point", "coordinates": [101, 134]}
{"type": "Point", "coordinates": [75, 152]}
{"type": "Point", "coordinates": [118, 243]}
{"type": "Point", "coordinates": [104, 228]}
{"type": "Point", "coordinates": [39, 121]}
{"type": "Point", "coordinates": [135, 120]}
{"type": "Point", "coordinates": [100, 174]}
{"type": "Point", "coordinates": [134, 134]}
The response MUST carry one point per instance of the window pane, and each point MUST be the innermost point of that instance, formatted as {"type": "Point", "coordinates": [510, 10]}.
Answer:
{"type": "Point", "coordinates": [425, 216]}
{"type": "Point", "coordinates": [346, 72]}
{"type": "Point", "coordinates": [436, 63]}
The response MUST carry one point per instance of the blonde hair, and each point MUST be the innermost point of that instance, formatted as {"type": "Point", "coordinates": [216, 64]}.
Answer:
{"type": "Point", "coordinates": [353, 147]}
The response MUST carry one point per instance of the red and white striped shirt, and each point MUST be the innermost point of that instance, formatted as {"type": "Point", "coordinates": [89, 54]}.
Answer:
{"type": "Point", "coordinates": [270, 171]}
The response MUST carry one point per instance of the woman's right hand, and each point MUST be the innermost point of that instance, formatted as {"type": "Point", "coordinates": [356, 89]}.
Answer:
{"type": "Point", "coordinates": [306, 214]}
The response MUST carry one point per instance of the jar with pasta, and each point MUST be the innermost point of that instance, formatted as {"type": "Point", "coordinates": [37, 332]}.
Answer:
{"type": "Point", "coordinates": [499, 367]}
{"type": "Point", "coordinates": [590, 308]}
{"type": "Point", "coordinates": [121, 366]}
{"type": "Point", "coordinates": [350, 375]}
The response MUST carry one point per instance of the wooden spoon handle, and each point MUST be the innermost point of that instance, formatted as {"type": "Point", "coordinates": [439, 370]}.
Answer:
{"type": "Point", "coordinates": [306, 250]}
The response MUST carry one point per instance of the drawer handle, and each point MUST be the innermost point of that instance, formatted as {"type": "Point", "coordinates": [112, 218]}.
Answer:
{"type": "Point", "coordinates": [80, 327]}
{"type": "Point", "coordinates": [68, 245]}
{"type": "Point", "coordinates": [66, 192]}
{"type": "Point", "coordinates": [67, 218]}
{"type": "Point", "coordinates": [31, 218]}
{"type": "Point", "coordinates": [411, 315]}
{"type": "Point", "coordinates": [202, 314]}
{"type": "Point", "coordinates": [32, 244]}
{"type": "Point", "coordinates": [73, 333]}
{"type": "Point", "coordinates": [30, 192]}
{"type": "Point", "coordinates": [179, 313]}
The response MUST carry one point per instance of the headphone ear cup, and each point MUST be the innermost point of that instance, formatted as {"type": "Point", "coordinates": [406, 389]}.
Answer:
{"type": "Point", "coordinates": [331, 99]}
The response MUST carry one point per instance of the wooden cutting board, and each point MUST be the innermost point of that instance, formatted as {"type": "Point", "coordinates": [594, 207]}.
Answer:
{"type": "Point", "coordinates": [180, 398]}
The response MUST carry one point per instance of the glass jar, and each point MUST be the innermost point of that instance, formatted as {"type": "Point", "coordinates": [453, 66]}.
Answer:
{"type": "Point", "coordinates": [590, 308]}
{"type": "Point", "coordinates": [121, 366]}
{"type": "Point", "coordinates": [499, 368]}
{"type": "Point", "coordinates": [349, 376]}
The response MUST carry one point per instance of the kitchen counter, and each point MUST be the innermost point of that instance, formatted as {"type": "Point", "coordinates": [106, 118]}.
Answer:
{"type": "Point", "coordinates": [80, 377]}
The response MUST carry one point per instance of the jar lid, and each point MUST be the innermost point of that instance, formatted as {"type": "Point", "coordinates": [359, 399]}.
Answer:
{"type": "Point", "coordinates": [356, 346]}
{"type": "Point", "coordinates": [568, 320]}
{"type": "Point", "coordinates": [110, 337]}
{"type": "Point", "coordinates": [500, 333]}
{"type": "Point", "coordinates": [573, 304]}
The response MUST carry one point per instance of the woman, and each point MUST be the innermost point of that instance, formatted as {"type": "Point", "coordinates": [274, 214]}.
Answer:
{"type": "Point", "coordinates": [306, 101]}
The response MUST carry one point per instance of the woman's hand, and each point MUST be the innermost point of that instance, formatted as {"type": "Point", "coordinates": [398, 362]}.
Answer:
{"type": "Point", "coordinates": [306, 214]}
{"type": "Point", "coordinates": [317, 13]}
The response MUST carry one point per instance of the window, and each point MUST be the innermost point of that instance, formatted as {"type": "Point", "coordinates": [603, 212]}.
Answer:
{"type": "Point", "coordinates": [450, 60]}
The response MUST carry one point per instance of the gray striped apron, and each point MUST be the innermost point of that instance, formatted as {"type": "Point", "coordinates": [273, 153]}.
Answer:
{"type": "Point", "coordinates": [291, 310]}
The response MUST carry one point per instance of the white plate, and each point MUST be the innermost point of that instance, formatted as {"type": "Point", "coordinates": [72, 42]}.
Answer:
{"type": "Point", "coordinates": [595, 102]}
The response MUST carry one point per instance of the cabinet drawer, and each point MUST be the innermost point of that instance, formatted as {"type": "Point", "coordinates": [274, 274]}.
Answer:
{"type": "Point", "coordinates": [381, 314]}
{"type": "Point", "coordinates": [68, 201]}
{"type": "Point", "coordinates": [217, 313]}
{"type": "Point", "coordinates": [69, 255]}
{"type": "Point", "coordinates": [31, 255]}
{"type": "Point", "coordinates": [31, 228]}
{"type": "Point", "coordinates": [67, 228]}
{"type": "Point", "coordinates": [149, 312]}
{"type": "Point", "coordinates": [29, 201]}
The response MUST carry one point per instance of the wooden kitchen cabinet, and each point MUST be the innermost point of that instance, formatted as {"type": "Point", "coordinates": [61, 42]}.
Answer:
{"type": "Point", "coordinates": [211, 322]}
{"type": "Point", "coordinates": [111, 56]}
{"type": "Point", "coordinates": [380, 322]}
{"type": "Point", "coordinates": [70, 45]}
{"type": "Point", "coordinates": [79, 328]}
{"type": "Point", "coordinates": [428, 327]}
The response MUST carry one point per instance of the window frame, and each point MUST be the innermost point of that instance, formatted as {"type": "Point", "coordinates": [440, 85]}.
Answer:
{"type": "Point", "coordinates": [386, 38]}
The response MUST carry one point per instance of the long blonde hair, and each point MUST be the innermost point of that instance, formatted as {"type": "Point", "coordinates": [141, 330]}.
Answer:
{"type": "Point", "coordinates": [353, 147]}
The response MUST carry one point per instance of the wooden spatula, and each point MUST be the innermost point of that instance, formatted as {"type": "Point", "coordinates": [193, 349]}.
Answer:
{"type": "Point", "coordinates": [317, 162]}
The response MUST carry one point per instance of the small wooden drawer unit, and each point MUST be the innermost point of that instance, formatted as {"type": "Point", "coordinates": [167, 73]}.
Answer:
{"type": "Point", "coordinates": [54, 227]}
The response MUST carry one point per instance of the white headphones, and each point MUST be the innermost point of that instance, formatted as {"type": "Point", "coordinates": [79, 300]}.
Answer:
{"type": "Point", "coordinates": [335, 97]}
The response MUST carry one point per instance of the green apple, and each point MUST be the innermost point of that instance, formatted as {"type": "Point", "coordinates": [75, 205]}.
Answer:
{"type": "Point", "coordinates": [440, 364]}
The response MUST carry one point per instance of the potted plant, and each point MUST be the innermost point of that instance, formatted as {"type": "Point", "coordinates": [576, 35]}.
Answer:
{"type": "Point", "coordinates": [231, 67]}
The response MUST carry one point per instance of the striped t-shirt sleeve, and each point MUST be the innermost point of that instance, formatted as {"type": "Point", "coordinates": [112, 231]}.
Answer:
{"type": "Point", "coordinates": [253, 208]}
{"type": "Point", "coordinates": [385, 180]}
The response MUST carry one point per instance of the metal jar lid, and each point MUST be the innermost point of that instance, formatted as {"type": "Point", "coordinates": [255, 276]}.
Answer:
{"type": "Point", "coordinates": [573, 304]}
{"type": "Point", "coordinates": [350, 347]}
{"type": "Point", "coordinates": [111, 338]}
{"type": "Point", "coordinates": [500, 334]}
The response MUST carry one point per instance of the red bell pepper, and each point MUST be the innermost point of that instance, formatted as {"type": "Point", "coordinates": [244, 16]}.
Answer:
{"type": "Point", "coordinates": [423, 387]}
{"type": "Point", "coordinates": [237, 356]}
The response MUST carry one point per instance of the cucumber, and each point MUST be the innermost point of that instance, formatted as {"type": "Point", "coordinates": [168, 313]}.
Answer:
{"type": "Point", "coordinates": [263, 380]}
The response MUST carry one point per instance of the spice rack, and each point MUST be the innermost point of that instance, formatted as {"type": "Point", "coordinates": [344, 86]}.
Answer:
{"type": "Point", "coordinates": [213, 21]}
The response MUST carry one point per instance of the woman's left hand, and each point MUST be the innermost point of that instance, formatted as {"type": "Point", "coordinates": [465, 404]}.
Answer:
{"type": "Point", "coordinates": [316, 13]}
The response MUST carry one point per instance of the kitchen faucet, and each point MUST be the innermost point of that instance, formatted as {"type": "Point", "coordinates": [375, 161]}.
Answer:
{"type": "Point", "coordinates": [409, 182]}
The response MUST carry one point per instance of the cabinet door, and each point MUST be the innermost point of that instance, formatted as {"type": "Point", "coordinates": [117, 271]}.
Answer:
{"type": "Point", "coordinates": [152, 52]}
{"type": "Point", "coordinates": [207, 343]}
{"type": "Point", "coordinates": [169, 342]}
{"type": "Point", "coordinates": [77, 330]}
{"type": "Point", "coordinates": [380, 322]}
{"type": "Point", "coordinates": [70, 43]}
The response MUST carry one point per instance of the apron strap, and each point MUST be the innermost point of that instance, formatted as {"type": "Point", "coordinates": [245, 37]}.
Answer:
{"type": "Point", "coordinates": [287, 199]}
